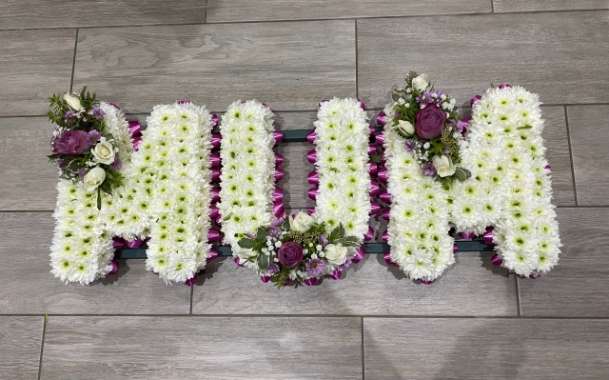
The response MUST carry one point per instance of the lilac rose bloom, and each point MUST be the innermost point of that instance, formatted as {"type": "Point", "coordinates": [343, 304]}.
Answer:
{"type": "Point", "coordinates": [290, 254]}
{"type": "Point", "coordinates": [71, 142]}
{"type": "Point", "coordinates": [429, 122]}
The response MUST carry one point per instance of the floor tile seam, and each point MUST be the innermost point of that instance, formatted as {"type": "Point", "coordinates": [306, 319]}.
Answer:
{"type": "Point", "coordinates": [571, 157]}
{"type": "Point", "coordinates": [424, 15]}
{"type": "Point", "coordinates": [44, 329]}
{"type": "Point", "coordinates": [363, 317]}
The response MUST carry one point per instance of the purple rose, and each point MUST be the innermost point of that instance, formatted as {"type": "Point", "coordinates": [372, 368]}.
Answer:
{"type": "Point", "coordinates": [429, 122]}
{"type": "Point", "coordinates": [71, 142]}
{"type": "Point", "coordinates": [290, 254]}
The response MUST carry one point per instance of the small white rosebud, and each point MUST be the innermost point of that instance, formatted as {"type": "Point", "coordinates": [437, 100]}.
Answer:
{"type": "Point", "coordinates": [313, 256]}
{"type": "Point", "coordinates": [73, 101]}
{"type": "Point", "coordinates": [305, 251]}
{"type": "Point", "coordinates": [318, 247]}
{"type": "Point", "coordinates": [278, 244]}
{"type": "Point", "coordinates": [426, 145]}
{"type": "Point", "coordinates": [401, 101]}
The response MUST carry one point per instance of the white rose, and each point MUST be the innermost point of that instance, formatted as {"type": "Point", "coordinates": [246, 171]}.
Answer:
{"type": "Point", "coordinates": [444, 166]}
{"type": "Point", "coordinates": [336, 254]}
{"type": "Point", "coordinates": [405, 127]}
{"type": "Point", "coordinates": [420, 83]}
{"type": "Point", "coordinates": [104, 152]}
{"type": "Point", "coordinates": [301, 222]}
{"type": "Point", "coordinates": [73, 101]}
{"type": "Point", "coordinates": [94, 178]}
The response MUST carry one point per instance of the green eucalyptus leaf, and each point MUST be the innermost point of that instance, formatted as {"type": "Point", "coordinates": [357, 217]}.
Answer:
{"type": "Point", "coordinates": [462, 174]}
{"type": "Point", "coordinates": [246, 243]}
{"type": "Point", "coordinates": [263, 261]}
{"type": "Point", "coordinates": [261, 234]}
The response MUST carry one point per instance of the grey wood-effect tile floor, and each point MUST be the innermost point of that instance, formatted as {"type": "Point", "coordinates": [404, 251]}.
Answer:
{"type": "Point", "coordinates": [476, 322]}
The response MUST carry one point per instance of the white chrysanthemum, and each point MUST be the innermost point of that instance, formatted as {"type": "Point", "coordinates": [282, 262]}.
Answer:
{"type": "Point", "coordinates": [505, 151]}
{"type": "Point", "coordinates": [341, 145]}
{"type": "Point", "coordinates": [81, 250]}
{"type": "Point", "coordinates": [419, 217]}
{"type": "Point", "coordinates": [248, 168]}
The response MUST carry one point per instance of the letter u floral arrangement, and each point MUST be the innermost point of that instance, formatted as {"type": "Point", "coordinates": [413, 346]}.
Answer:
{"type": "Point", "coordinates": [189, 181]}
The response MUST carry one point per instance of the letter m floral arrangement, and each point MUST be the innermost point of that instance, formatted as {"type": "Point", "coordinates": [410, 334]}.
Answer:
{"type": "Point", "coordinates": [84, 149]}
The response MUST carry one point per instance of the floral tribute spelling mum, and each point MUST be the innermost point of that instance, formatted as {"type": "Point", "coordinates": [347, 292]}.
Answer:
{"type": "Point", "coordinates": [300, 248]}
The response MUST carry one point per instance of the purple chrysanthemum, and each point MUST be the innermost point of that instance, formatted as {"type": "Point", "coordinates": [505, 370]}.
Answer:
{"type": "Point", "coordinates": [273, 268]}
{"type": "Point", "coordinates": [429, 169]}
{"type": "Point", "coordinates": [446, 150]}
{"type": "Point", "coordinates": [315, 267]}
{"type": "Point", "coordinates": [117, 164]}
{"type": "Point", "coordinates": [69, 114]}
{"type": "Point", "coordinates": [94, 136]}
{"type": "Point", "coordinates": [410, 145]}
{"type": "Point", "coordinates": [80, 172]}
{"type": "Point", "coordinates": [58, 161]}
{"type": "Point", "coordinates": [98, 113]}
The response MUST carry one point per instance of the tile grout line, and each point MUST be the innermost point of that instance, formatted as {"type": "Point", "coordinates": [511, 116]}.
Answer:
{"type": "Point", "coordinates": [74, 61]}
{"type": "Point", "coordinates": [205, 22]}
{"type": "Point", "coordinates": [205, 17]}
{"type": "Point", "coordinates": [44, 330]}
{"type": "Point", "coordinates": [356, 64]}
{"type": "Point", "coordinates": [518, 305]}
{"type": "Point", "coordinates": [492, 6]}
{"type": "Point", "coordinates": [363, 353]}
{"type": "Point", "coordinates": [321, 316]}
{"type": "Point", "coordinates": [571, 156]}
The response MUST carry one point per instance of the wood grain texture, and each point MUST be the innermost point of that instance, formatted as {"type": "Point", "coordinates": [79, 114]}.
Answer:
{"type": "Point", "coordinates": [579, 285]}
{"type": "Point", "coordinates": [558, 155]}
{"type": "Point", "coordinates": [244, 10]}
{"type": "Point", "coordinates": [290, 66]}
{"type": "Point", "coordinates": [83, 348]}
{"type": "Point", "coordinates": [28, 287]}
{"type": "Point", "coordinates": [490, 349]}
{"type": "Point", "coordinates": [563, 56]}
{"type": "Point", "coordinates": [29, 179]}
{"type": "Point", "coordinates": [589, 129]}
{"type": "Point", "coordinates": [17, 14]}
{"type": "Point", "coordinates": [547, 5]}
{"type": "Point", "coordinates": [33, 65]}
{"type": "Point", "coordinates": [20, 342]}
{"type": "Point", "coordinates": [470, 288]}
